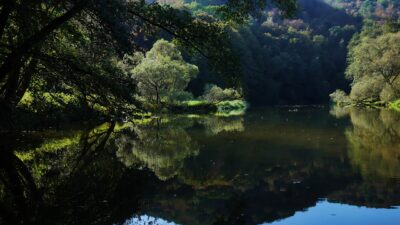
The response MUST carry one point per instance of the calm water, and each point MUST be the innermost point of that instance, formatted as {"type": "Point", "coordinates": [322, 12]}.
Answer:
{"type": "Point", "coordinates": [279, 166]}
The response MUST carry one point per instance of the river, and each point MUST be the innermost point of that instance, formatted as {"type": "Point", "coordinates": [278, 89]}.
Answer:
{"type": "Point", "coordinates": [280, 166]}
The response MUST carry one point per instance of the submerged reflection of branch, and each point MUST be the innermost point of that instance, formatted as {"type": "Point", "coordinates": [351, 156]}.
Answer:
{"type": "Point", "coordinates": [36, 177]}
{"type": "Point", "coordinates": [18, 191]}
{"type": "Point", "coordinates": [68, 177]}
{"type": "Point", "coordinates": [374, 142]}
{"type": "Point", "coordinates": [161, 146]}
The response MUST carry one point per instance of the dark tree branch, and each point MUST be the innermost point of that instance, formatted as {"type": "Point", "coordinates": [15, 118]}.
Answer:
{"type": "Point", "coordinates": [171, 32]}
{"type": "Point", "coordinates": [15, 57]}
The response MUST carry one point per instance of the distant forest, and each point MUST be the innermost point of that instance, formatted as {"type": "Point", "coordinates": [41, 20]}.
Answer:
{"type": "Point", "coordinates": [298, 60]}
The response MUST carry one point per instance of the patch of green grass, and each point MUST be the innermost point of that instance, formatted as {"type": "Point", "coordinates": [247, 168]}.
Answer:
{"type": "Point", "coordinates": [195, 102]}
{"type": "Point", "coordinates": [224, 108]}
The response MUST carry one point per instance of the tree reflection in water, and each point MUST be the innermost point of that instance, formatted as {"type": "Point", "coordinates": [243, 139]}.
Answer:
{"type": "Point", "coordinates": [374, 150]}
{"type": "Point", "coordinates": [201, 170]}
{"type": "Point", "coordinates": [161, 145]}
{"type": "Point", "coordinates": [66, 178]}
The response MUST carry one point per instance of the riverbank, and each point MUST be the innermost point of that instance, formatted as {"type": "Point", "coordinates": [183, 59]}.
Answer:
{"type": "Point", "coordinates": [231, 107]}
{"type": "Point", "coordinates": [31, 117]}
{"type": "Point", "coordinates": [394, 105]}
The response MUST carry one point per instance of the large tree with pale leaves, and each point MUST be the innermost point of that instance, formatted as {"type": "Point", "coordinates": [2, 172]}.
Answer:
{"type": "Point", "coordinates": [163, 75]}
{"type": "Point", "coordinates": [374, 68]}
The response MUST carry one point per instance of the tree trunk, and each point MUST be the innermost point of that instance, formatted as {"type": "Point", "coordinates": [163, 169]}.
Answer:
{"type": "Point", "coordinates": [10, 87]}
{"type": "Point", "coordinates": [26, 79]}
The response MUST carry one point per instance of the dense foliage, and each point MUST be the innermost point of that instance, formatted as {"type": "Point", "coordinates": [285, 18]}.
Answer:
{"type": "Point", "coordinates": [63, 55]}
{"type": "Point", "coordinates": [374, 68]}
{"type": "Point", "coordinates": [371, 9]}
{"type": "Point", "coordinates": [162, 76]}
{"type": "Point", "coordinates": [77, 58]}
{"type": "Point", "coordinates": [298, 60]}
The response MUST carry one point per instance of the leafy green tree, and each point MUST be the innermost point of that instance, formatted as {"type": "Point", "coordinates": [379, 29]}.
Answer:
{"type": "Point", "coordinates": [163, 74]}
{"type": "Point", "coordinates": [367, 89]}
{"type": "Point", "coordinates": [374, 63]}
{"type": "Point", "coordinates": [376, 57]}
{"type": "Point", "coordinates": [340, 97]}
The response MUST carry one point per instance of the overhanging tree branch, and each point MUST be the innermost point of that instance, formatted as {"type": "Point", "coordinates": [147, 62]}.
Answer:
{"type": "Point", "coordinates": [13, 59]}
{"type": "Point", "coordinates": [169, 31]}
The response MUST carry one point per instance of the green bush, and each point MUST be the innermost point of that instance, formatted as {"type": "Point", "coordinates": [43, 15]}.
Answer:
{"type": "Point", "coordinates": [340, 97]}
{"type": "Point", "coordinates": [215, 94]}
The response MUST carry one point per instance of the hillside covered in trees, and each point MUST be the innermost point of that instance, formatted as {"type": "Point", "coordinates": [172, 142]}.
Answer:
{"type": "Point", "coordinates": [293, 61]}
{"type": "Point", "coordinates": [302, 59]}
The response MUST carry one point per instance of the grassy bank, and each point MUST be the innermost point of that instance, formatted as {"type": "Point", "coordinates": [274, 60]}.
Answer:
{"type": "Point", "coordinates": [233, 107]}
{"type": "Point", "coordinates": [394, 105]}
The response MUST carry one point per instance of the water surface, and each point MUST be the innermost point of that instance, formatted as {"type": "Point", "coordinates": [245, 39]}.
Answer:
{"type": "Point", "coordinates": [281, 166]}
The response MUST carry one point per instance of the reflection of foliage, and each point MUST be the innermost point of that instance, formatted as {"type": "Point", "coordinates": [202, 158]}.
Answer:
{"type": "Point", "coordinates": [374, 142]}
{"type": "Point", "coordinates": [64, 145]}
{"type": "Point", "coordinates": [161, 147]}
{"type": "Point", "coordinates": [263, 185]}
{"type": "Point", "coordinates": [144, 220]}
{"type": "Point", "coordinates": [232, 108]}
{"type": "Point", "coordinates": [215, 125]}
{"type": "Point", "coordinates": [271, 180]}
{"type": "Point", "coordinates": [72, 170]}
{"type": "Point", "coordinates": [383, 194]}
{"type": "Point", "coordinates": [339, 111]}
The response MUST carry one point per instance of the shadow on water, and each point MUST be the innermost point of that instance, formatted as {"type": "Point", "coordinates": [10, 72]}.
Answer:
{"type": "Point", "coordinates": [261, 167]}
